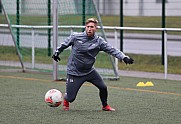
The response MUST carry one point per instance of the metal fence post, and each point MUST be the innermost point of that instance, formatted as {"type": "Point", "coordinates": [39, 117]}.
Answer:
{"type": "Point", "coordinates": [165, 53]}
{"type": "Point", "coordinates": [33, 48]}
{"type": "Point", "coordinates": [116, 46]}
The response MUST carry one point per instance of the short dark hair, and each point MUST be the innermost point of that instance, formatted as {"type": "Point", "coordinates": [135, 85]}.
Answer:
{"type": "Point", "coordinates": [91, 20]}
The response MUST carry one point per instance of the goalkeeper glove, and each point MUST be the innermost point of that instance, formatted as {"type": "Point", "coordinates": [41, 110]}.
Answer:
{"type": "Point", "coordinates": [56, 56]}
{"type": "Point", "coordinates": [128, 60]}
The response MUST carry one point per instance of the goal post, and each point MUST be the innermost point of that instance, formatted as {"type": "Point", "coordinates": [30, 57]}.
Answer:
{"type": "Point", "coordinates": [13, 36]}
{"type": "Point", "coordinates": [70, 16]}
{"type": "Point", "coordinates": [55, 37]}
{"type": "Point", "coordinates": [39, 33]}
{"type": "Point", "coordinates": [26, 44]}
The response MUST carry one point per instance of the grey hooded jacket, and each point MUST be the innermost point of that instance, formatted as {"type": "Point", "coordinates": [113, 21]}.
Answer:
{"type": "Point", "coordinates": [84, 50]}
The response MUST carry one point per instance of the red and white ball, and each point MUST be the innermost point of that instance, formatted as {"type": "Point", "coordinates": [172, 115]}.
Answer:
{"type": "Point", "coordinates": [53, 98]}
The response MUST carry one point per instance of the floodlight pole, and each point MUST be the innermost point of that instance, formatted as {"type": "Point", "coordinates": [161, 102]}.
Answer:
{"type": "Point", "coordinates": [55, 37]}
{"type": "Point", "coordinates": [18, 22]}
{"type": "Point", "coordinates": [0, 7]}
{"type": "Point", "coordinates": [121, 25]}
{"type": "Point", "coordinates": [83, 14]}
{"type": "Point", "coordinates": [49, 30]}
{"type": "Point", "coordinates": [163, 26]}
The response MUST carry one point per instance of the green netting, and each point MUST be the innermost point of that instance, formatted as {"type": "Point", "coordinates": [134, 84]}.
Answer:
{"type": "Point", "coordinates": [35, 43]}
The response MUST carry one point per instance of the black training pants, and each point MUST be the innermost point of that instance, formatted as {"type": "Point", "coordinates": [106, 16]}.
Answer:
{"type": "Point", "coordinates": [74, 83]}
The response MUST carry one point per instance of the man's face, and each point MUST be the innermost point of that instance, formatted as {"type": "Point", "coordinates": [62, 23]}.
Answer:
{"type": "Point", "coordinates": [90, 29]}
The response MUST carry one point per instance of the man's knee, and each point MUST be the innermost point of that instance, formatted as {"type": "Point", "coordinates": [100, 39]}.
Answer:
{"type": "Point", "coordinates": [103, 88]}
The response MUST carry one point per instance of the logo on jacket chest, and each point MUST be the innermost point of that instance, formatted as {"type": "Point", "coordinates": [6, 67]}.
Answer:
{"type": "Point", "coordinates": [85, 45]}
{"type": "Point", "coordinates": [79, 41]}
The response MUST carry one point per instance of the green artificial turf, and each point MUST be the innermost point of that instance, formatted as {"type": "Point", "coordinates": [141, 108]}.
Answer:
{"type": "Point", "coordinates": [22, 101]}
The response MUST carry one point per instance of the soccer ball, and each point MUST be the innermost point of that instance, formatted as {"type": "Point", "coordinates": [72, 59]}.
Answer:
{"type": "Point", "coordinates": [53, 98]}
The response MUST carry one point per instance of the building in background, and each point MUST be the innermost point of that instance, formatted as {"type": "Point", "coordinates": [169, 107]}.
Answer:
{"type": "Point", "coordinates": [107, 7]}
{"type": "Point", "coordinates": [139, 7]}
